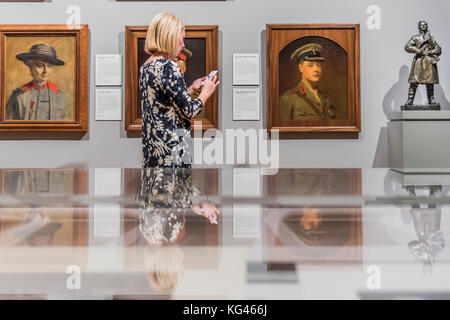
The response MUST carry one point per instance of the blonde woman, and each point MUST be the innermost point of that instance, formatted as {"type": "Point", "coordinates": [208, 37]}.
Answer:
{"type": "Point", "coordinates": [166, 103]}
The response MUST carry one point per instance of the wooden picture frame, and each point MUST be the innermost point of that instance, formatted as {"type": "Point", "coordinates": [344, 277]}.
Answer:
{"type": "Point", "coordinates": [134, 35]}
{"type": "Point", "coordinates": [293, 108]}
{"type": "Point", "coordinates": [67, 84]}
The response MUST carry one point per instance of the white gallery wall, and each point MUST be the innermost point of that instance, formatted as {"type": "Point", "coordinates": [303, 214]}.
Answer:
{"type": "Point", "coordinates": [384, 70]}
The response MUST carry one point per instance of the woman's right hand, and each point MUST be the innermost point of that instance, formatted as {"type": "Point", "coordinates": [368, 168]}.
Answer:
{"type": "Point", "coordinates": [207, 210]}
{"type": "Point", "coordinates": [208, 88]}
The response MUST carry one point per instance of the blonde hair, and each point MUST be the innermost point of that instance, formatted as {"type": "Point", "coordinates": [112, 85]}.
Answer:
{"type": "Point", "coordinates": [164, 267]}
{"type": "Point", "coordinates": [163, 34]}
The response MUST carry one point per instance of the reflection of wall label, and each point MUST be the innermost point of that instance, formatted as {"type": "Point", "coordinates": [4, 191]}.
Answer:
{"type": "Point", "coordinates": [374, 280]}
{"type": "Point", "coordinates": [374, 20]}
{"type": "Point", "coordinates": [74, 280]}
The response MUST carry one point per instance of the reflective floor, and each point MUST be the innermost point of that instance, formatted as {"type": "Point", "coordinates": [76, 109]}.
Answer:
{"type": "Point", "coordinates": [233, 233]}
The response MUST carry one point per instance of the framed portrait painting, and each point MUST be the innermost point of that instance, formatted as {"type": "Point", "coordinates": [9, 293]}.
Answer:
{"type": "Point", "coordinates": [198, 58]}
{"type": "Point", "coordinates": [44, 79]}
{"type": "Point", "coordinates": [313, 80]}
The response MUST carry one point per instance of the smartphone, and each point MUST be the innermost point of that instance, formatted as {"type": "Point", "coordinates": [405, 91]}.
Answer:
{"type": "Point", "coordinates": [210, 75]}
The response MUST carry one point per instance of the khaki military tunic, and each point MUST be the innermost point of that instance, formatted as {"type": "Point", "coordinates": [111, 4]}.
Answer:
{"type": "Point", "coordinates": [424, 69]}
{"type": "Point", "coordinates": [35, 102]}
{"type": "Point", "coordinates": [300, 103]}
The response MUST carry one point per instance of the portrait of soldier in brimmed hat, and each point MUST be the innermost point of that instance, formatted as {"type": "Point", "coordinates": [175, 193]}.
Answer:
{"type": "Point", "coordinates": [305, 101]}
{"type": "Point", "coordinates": [182, 58]}
{"type": "Point", "coordinates": [182, 61]}
{"type": "Point", "coordinates": [39, 99]}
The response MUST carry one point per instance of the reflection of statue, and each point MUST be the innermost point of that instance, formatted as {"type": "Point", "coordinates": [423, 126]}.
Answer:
{"type": "Point", "coordinates": [431, 240]}
{"type": "Point", "coordinates": [424, 66]}
{"type": "Point", "coordinates": [427, 223]}
{"type": "Point", "coordinates": [167, 199]}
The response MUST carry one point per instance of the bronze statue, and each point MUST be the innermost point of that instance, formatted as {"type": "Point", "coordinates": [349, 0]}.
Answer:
{"type": "Point", "coordinates": [424, 66]}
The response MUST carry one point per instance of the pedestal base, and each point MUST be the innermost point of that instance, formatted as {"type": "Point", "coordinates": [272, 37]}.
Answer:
{"type": "Point", "coordinates": [418, 141]}
{"type": "Point", "coordinates": [411, 107]}
{"type": "Point", "coordinates": [410, 178]}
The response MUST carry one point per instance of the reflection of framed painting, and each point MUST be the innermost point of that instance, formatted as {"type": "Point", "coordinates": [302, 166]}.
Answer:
{"type": "Point", "coordinates": [314, 182]}
{"type": "Point", "coordinates": [44, 79]}
{"type": "Point", "coordinates": [313, 233]}
{"type": "Point", "coordinates": [200, 57]}
{"type": "Point", "coordinates": [42, 238]}
{"type": "Point", "coordinates": [43, 182]}
{"type": "Point", "coordinates": [313, 80]}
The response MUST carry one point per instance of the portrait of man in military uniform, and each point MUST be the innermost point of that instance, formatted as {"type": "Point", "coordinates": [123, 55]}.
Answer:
{"type": "Point", "coordinates": [184, 59]}
{"type": "Point", "coordinates": [39, 99]}
{"type": "Point", "coordinates": [306, 101]}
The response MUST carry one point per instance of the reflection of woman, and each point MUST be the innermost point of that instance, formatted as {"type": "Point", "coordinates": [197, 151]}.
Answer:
{"type": "Point", "coordinates": [167, 199]}
{"type": "Point", "coordinates": [166, 104]}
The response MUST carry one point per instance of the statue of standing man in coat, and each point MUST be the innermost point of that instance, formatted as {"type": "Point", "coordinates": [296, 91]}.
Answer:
{"type": "Point", "coordinates": [424, 67]}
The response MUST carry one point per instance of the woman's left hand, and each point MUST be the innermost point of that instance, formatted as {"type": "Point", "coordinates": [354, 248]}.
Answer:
{"type": "Point", "coordinates": [196, 85]}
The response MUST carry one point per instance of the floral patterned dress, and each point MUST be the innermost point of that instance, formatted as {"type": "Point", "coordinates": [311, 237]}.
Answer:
{"type": "Point", "coordinates": [166, 112]}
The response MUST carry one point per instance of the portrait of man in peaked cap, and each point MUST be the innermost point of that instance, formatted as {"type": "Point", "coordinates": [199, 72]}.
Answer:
{"type": "Point", "coordinates": [40, 78]}
{"type": "Point", "coordinates": [312, 75]}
